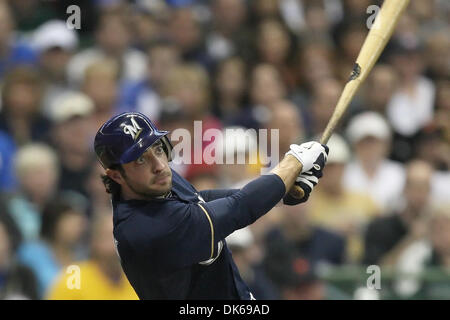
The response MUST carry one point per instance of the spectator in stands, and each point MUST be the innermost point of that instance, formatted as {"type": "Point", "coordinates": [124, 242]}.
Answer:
{"type": "Point", "coordinates": [353, 8]}
{"type": "Point", "coordinates": [274, 46]}
{"type": "Point", "coordinates": [434, 255]}
{"type": "Point", "coordinates": [228, 35]}
{"type": "Point", "coordinates": [295, 249]}
{"type": "Point", "coordinates": [285, 117]}
{"type": "Point", "coordinates": [439, 153]}
{"type": "Point", "coordinates": [100, 84]}
{"type": "Point", "coordinates": [36, 167]}
{"type": "Point", "coordinates": [266, 88]}
{"type": "Point", "coordinates": [230, 91]}
{"type": "Point", "coordinates": [318, 58]}
{"type": "Point", "coordinates": [343, 211]}
{"type": "Point", "coordinates": [433, 143]}
{"type": "Point", "coordinates": [296, 234]}
{"type": "Point", "coordinates": [55, 44]}
{"type": "Point", "coordinates": [71, 136]}
{"type": "Point", "coordinates": [265, 9]}
{"type": "Point", "coordinates": [411, 106]}
{"type": "Point", "coordinates": [387, 237]}
{"type": "Point", "coordinates": [381, 85]}
{"type": "Point", "coordinates": [20, 115]}
{"type": "Point", "coordinates": [148, 20]}
{"type": "Point", "coordinates": [318, 17]}
{"type": "Point", "coordinates": [63, 227]}
{"type": "Point", "coordinates": [17, 282]}
{"type": "Point", "coordinates": [370, 135]}
{"type": "Point", "coordinates": [189, 85]}
{"type": "Point", "coordinates": [145, 96]}
{"type": "Point", "coordinates": [248, 257]}
{"type": "Point", "coordinates": [437, 48]}
{"type": "Point", "coordinates": [101, 275]}
{"type": "Point", "coordinates": [421, 265]}
{"type": "Point", "coordinates": [112, 37]}
{"type": "Point", "coordinates": [295, 278]}
{"type": "Point", "coordinates": [185, 31]}
{"type": "Point", "coordinates": [13, 52]}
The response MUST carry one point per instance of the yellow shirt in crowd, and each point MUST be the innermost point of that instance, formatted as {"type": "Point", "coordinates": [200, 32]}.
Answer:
{"type": "Point", "coordinates": [348, 214]}
{"type": "Point", "coordinates": [92, 285]}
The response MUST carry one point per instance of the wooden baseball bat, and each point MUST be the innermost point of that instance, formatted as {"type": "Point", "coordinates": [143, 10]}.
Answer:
{"type": "Point", "coordinates": [376, 40]}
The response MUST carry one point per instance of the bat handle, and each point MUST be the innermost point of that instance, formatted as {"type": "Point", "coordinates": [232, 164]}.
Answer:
{"type": "Point", "coordinates": [296, 191]}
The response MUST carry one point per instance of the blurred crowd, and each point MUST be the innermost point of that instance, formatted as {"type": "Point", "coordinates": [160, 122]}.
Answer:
{"type": "Point", "coordinates": [249, 64]}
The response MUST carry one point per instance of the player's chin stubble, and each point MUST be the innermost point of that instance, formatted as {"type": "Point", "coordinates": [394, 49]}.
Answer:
{"type": "Point", "coordinates": [148, 192]}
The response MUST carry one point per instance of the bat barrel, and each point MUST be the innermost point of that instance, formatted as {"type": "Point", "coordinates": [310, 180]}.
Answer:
{"type": "Point", "coordinates": [374, 44]}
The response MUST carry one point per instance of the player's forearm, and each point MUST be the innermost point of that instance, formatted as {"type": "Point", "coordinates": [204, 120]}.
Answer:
{"type": "Point", "coordinates": [288, 170]}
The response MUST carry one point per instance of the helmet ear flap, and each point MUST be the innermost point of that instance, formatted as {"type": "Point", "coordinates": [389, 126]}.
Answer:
{"type": "Point", "coordinates": [167, 145]}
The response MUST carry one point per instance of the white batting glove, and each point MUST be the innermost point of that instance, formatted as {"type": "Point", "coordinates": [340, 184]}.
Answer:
{"type": "Point", "coordinates": [308, 153]}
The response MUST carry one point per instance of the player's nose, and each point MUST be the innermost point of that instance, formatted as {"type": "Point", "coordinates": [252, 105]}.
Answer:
{"type": "Point", "coordinates": [158, 164]}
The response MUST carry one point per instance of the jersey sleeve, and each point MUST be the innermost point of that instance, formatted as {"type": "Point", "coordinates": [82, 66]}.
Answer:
{"type": "Point", "coordinates": [210, 195]}
{"type": "Point", "coordinates": [244, 207]}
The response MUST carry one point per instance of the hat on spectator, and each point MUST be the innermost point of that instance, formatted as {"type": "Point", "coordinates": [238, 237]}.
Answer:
{"type": "Point", "coordinates": [54, 34]}
{"type": "Point", "coordinates": [405, 45]}
{"type": "Point", "coordinates": [368, 124]}
{"type": "Point", "coordinates": [71, 105]}
{"type": "Point", "coordinates": [339, 150]}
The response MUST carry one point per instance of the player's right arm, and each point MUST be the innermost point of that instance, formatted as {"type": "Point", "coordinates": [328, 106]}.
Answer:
{"type": "Point", "coordinates": [260, 195]}
{"type": "Point", "coordinates": [186, 233]}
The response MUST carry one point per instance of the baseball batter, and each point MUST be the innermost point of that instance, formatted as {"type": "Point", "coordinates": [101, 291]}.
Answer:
{"type": "Point", "coordinates": [169, 236]}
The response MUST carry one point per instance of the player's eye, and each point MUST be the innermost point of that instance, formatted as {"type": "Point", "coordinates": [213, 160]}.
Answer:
{"type": "Point", "coordinates": [159, 150]}
{"type": "Point", "coordinates": [140, 160]}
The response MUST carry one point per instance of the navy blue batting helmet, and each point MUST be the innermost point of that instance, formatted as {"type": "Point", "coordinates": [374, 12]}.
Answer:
{"type": "Point", "coordinates": [125, 137]}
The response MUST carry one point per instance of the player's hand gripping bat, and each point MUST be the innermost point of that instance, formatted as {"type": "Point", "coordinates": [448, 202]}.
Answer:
{"type": "Point", "coordinates": [376, 40]}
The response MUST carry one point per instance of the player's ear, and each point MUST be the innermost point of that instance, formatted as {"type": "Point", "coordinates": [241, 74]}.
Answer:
{"type": "Point", "coordinates": [115, 175]}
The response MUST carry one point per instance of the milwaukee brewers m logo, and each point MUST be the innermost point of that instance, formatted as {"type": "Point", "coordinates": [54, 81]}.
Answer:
{"type": "Point", "coordinates": [132, 129]}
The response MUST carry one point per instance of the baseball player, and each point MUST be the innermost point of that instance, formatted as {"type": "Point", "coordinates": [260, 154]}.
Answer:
{"type": "Point", "coordinates": [169, 236]}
